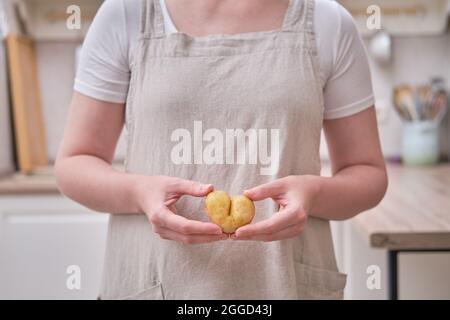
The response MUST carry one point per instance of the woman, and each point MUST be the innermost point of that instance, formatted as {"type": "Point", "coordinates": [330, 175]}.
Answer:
{"type": "Point", "coordinates": [185, 73]}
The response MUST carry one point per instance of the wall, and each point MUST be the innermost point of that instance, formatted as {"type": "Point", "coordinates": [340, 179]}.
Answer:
{"type": "Point", "coordinates": [6, 154]}
{"type": "Point", "coordinates": [56, 63]}
{"type": "Point", "coordinates": [56, 73]}
{"type": "Point", "coordinates": [415, 60]}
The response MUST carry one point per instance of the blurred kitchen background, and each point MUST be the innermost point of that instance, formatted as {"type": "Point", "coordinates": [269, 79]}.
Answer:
{"type": "Point", "coordinates": [401, 249]}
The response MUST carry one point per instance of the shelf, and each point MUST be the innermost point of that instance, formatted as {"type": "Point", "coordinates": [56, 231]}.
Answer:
{"type": "Point", "coordinates": [46, 20]}
{"type": "Point", "coordinates": [401, 17]}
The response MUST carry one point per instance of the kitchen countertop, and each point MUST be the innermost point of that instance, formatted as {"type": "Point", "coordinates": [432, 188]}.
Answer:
{"type": "Point", "coordinates": [40, 182]}
{"type": "Point", "coordinates": [415, 213]}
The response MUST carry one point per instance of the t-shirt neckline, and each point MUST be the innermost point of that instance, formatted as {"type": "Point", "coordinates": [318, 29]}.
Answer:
{"type": "Point", "coordinates": [166, 16]}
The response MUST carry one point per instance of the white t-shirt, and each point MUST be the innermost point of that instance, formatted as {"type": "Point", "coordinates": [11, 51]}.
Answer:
{"type": "Point", "coordinates": [110, 46]}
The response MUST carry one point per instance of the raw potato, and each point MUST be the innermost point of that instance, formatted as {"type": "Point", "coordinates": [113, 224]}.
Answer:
{"type": "Point", "coordinates": [229, 214]}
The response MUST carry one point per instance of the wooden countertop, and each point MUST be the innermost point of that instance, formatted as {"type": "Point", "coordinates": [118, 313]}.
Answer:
{"type": "Point", "coordinates": [40, 182]}
{"type": "Point", "coordinates": [415, 213]}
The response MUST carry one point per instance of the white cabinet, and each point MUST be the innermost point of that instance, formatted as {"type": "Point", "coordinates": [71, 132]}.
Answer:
{"type": "Point", "coordinates": [40, 238]}
{"type": "Point", "coordinates": [421, 275]}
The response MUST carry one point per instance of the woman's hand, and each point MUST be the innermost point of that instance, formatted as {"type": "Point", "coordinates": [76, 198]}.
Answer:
{"type": "Point", "coordinates": [357, 183]}
{"type": "Point", "coordinates": [295, 195]}
{"type": "Point", "coordinates": [156, 197]}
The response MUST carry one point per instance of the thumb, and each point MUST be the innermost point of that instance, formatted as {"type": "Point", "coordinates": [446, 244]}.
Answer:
{"type": "Point", "coordinates": [192, 188]}
{"type": "Point", "coordinates": [268, 190]}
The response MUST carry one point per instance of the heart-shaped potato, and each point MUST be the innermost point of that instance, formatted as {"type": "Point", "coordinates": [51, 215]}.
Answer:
{"type": "Point", "coordinates": [229, 214]}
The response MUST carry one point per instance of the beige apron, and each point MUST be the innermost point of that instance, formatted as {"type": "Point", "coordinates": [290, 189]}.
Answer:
{"type": "Point", "coordinates": [259, 80]}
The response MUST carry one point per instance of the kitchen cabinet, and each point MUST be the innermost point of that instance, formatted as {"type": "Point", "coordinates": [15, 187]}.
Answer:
{"type": "Point", "coordinates": [406, 238]}
{"type": "Point", "coordinates": [413, 219]}
{"type": "Point", "coordinates": [421, 275]}
{"type": "Point", "coordinates": [45, 241]}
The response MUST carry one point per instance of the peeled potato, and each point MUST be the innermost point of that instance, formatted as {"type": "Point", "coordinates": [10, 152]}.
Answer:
{"type": "Point", "coordinates": [229, 214]}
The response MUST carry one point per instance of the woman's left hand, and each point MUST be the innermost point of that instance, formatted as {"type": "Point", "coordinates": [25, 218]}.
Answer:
{"type": "Point", "coordinates": [295, 196]}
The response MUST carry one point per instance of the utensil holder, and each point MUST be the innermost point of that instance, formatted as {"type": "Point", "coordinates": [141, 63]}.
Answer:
{"type": "Point", "coordinates": [420, 143]}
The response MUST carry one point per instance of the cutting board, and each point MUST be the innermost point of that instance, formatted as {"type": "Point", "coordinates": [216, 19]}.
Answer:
{"type": "Point", "coordinates": [26, 104]}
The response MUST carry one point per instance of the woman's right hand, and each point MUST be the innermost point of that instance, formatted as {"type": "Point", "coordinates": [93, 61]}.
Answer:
{"type": "Point", "coordinates": [156, 197]}
{"type": "Point", "coordinates": [84, 173]}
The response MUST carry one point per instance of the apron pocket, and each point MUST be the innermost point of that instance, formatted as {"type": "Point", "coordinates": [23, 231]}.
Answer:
{"type": "Point", "coordinates": [153, 292]}
{"type": "Point", "coordinates": [315, 283]}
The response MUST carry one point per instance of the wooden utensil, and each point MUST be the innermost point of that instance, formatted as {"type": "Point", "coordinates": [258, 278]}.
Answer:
{"type": "Point", "coordinates": [439, 106]}
{"type": "Point", "coordinates": [406, 96]}
{"type": "Point", "coordinates": [399, 104]}
{"type": "Point", "coordinates": [424, 97]}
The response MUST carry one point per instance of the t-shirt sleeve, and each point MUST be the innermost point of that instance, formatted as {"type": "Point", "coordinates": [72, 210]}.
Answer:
{"type": "Point", "coordinates": [103, 70]}
{"type": "Point", "coordinates": [348, 88]}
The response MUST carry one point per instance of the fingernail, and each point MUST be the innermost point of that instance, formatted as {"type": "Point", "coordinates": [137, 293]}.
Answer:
{"type": "Point", "coordinates": [239, 233]}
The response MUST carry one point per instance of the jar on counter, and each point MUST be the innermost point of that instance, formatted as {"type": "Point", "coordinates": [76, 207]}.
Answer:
{"type": "Point", "coordinates": [420, 143]}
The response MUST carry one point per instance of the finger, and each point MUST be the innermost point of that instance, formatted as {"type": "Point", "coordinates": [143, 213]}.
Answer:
{"type": "Point", "coordinates": [173, 208]}
{"type": "Point", "coordinates": [167, 219]}
{"type": "Point", "coordinates": [192, 188]}
{"type": "Point", "coordinates": [264, 191]}
{"type": "Point", "coordinates": [287, 233]}
{"type": "Point", "coordinates": [279, 221]}
{"type": "Point", "coordinates": [168, 234]}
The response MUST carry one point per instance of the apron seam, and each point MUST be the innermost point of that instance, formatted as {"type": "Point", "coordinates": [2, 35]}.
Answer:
{"type": "Point", "coordinates": [307, 50]}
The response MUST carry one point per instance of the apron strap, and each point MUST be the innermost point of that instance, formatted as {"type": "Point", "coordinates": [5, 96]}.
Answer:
{"type": "Point", "coordinates": [299, 16]}
{"type": "Point", "coordinates": [152, 20]}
